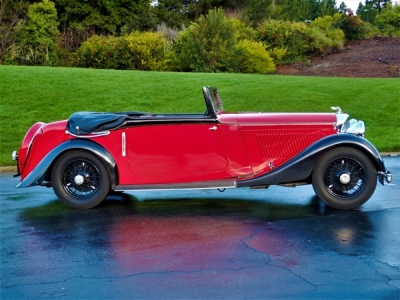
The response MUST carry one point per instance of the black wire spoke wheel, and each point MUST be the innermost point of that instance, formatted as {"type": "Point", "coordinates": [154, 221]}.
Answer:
{"type": "Point", "coordinates": [80, 179]}
{"type": "Point", "coordinates": [344, 178]}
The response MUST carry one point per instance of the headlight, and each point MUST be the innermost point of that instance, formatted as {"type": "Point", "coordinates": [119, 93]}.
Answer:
{"type": "Point", "coordinates": [353, 127]}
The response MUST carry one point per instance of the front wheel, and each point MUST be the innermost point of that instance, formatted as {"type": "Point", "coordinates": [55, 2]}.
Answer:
{"type": "Point", "coordinates": [344, 178]}
{"type": "Point", "coordinates": [80, 179]}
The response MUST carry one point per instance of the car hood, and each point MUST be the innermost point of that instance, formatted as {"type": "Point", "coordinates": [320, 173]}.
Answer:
{"type": "Point", "coordinates": [243, 119]}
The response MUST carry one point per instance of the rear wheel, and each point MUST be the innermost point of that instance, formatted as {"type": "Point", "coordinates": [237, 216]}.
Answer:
{"type": "Point", "coordinates": [344, 178]}
{"type": "Point", "coordinates": [80, 179]}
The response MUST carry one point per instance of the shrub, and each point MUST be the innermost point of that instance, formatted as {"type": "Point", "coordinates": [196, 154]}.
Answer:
{"type": "Point", "coordinates": [242, 31]}
{"type": "Point", "coordinates": [338, 38]}
{"type": "Point", "coordinates": [137, 51]}
{"type": "Point", "coordinates": [327, 23]}
{"type": "Point", "coordinates": [278, 54]}
{"type": "Point", "coordinates": [208, 45]}
{"type": "Point", "coordinates": [324, 36]}
{"type": "Point", "coordinates": [253, 58]}
{"type": "Point", "coordinates": [318, 40]}
{"type": "Point", "coordinates": [147, 51]}
{"type": "Point", "coordinates": [101, 52]}
{"type": "Point", "coordinates": [353, 27]}
{"type": "Point", "coordinates": [388, 21]}
{"type": "Point", "coordinates": [285, 35]}
{"type": "Point", "coordinates": [36, 42]}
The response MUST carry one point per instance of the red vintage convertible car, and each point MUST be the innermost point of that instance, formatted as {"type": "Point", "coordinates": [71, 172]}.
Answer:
{"type": "Point", "coordinates": [93, 154]}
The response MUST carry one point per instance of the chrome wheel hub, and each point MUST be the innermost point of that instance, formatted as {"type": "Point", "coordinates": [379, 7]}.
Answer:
{"type": "Point", "coordinates": [345, 178]}
{"type": "Point", "coordinates": [79, 179]}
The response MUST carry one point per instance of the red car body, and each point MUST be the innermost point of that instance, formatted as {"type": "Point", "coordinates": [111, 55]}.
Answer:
{"type": "Point", "coordinates": [91, 154]}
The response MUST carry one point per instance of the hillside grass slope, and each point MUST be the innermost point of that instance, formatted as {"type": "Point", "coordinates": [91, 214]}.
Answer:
{"type": "Point", "coordinates": [31, 94]}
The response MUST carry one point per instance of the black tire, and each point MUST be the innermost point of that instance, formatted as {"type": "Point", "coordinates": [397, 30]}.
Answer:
{"type": "Point", "coordinates": [80, 179]}
{"type": "Point", "coordinates": [344, 178]}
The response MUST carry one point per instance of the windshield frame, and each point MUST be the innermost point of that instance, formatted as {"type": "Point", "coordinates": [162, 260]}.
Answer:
{"type": "Point", "coordinates": [213, 101]}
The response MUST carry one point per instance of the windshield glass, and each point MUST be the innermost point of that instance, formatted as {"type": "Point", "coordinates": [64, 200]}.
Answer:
{"type": "Point", "coordinates": [217, 103]}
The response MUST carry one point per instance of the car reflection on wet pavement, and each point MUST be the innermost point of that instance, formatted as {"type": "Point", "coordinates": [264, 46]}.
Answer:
{"type": "Point", "coordinates": [275, 243]}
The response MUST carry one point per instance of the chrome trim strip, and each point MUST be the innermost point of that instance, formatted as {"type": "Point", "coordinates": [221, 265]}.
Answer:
{"type": "Point", "coordinates": [218, 184]}
{"type": "Point", "coordinates": [123, 144]}
{"type": "Point", "coordinates": [89, 136]}
{"type": "Point", "coordinates": [283, 124]}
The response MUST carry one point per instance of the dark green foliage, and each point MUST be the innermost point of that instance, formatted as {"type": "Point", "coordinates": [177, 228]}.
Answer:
{"type": "Point", "coordinates": [285, 35]}
{"type": "Point", "coordinates": [326, 8]}
{"type": "Point", "coordinates": [367, 13]}
{"type": "Point", "coordinates": [353, 27]}
{"type": "Point", "coordinates": [389, 21]}
{"type": "Point", "coordinates": [35, 43]}
{"type": "Point", "coordinates": [324, 36]}
{"type": "Point", "coordinates": [147, 51]}
{"type": "Point", "coordinates": [120, 34]}
{"type": "Point", "coordinates": [104, 17]}
{"type": "Point", "coordinates": [377, 4]}
{"type": "Point", "coordinates": [178, 13]}
{"type": "Point", "coordinates": [101, 53]}
{"type": "Point", "coordinates": [342, 7]}
{"type": "Point", "coordinates": [172, 13]}
{"type": "Point", "coordinates": [302, 10]}
{"type": "Point", "coordinates": [292, 41]}
{"type": "Point", "coordinates": [371, 9]}
{"type": "Point", "coordinates": [259, 10]}
{"type": "Point", "coordinates": [208, 45]}
{"type": "Point", "coordinates": [296, 10]}
{"type": "Point", "coordinates": [12, 13]}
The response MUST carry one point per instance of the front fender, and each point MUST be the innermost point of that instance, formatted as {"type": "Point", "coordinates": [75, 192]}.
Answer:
{"type": "Point", "coordinates": [300, 167]}
{"type": "Point", "coordinates": [38, 174]}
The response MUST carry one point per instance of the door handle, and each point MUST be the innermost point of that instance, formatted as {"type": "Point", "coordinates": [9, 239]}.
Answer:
{"type": "Point", "coordinates": [213, 128]}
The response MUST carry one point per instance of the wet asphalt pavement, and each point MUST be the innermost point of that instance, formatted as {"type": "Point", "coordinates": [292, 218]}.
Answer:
{"type": "Point", "coordinates": [264, 244]}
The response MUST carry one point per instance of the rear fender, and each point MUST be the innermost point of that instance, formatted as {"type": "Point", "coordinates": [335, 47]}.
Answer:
{"type": "Point", "coordinates": [43, 169]}
{"type": "Point", "coordinates": [300, 167]}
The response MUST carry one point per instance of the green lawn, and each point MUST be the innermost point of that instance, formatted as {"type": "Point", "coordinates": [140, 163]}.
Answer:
{"type": "Point", "coordinates": [31, 94]}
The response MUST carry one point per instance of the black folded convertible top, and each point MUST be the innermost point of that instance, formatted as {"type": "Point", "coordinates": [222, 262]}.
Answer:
{"type": "Point", "coordinates": [90, 122]}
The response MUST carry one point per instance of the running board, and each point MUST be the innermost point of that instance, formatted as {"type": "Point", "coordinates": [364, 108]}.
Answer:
{"type": "Point", "coordinates": [220, 184]}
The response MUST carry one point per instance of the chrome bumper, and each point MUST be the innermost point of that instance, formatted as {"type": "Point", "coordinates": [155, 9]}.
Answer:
{"type": "Point", "coordinates": [14, 155]}
{"type": "Point", "coordinates": [385, 176]}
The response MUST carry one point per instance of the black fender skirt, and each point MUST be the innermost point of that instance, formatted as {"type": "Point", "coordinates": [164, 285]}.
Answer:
{"type": "Point", "coordinates": [39, 173]}
{"type": "Point", "coordinates": [301, 166]}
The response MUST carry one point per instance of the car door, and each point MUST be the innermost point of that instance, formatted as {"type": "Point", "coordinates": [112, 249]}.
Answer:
{"type": "Point", "coordinates": [189, 148]}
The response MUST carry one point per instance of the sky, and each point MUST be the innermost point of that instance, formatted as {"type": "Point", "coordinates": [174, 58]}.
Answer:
{"type": "Point", "coordinates": [353, 4]}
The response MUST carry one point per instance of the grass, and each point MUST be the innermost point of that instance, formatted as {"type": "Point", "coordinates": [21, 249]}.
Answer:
{"type": "Point", "coordinates": [31, 94]}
